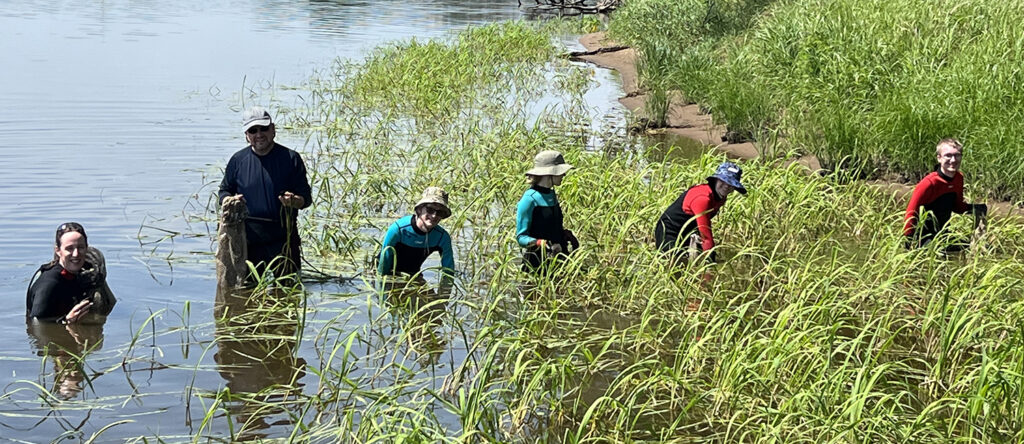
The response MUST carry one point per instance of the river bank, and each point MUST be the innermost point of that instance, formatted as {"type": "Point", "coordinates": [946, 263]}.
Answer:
{"type": "Point", "coordinates": [686, 119]}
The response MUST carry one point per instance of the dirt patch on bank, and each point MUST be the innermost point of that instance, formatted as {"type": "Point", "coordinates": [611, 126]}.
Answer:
{"type": "Point", "coordinates": [683, 119]}
{"type": "Point", "coordinates": [686, 119]}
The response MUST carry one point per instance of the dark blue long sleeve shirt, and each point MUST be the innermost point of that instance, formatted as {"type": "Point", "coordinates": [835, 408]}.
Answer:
{"type": "Point", "coordinates": [261, 179]}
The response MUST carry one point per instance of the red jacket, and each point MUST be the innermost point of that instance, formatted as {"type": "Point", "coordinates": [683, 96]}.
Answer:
{"type": "Point", "coordinates": [936, 194]}
{"type": "Point", "coordinates": [700, 202]}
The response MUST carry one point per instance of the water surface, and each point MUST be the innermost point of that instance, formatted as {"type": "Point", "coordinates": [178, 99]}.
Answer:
{"type": "Point", "coordinates": [119, 114]}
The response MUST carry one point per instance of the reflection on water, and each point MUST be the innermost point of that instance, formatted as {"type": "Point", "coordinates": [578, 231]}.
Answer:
{"type": "Point", "coordinates": [67, 346]}
{"type": "Point", "coordinates": [257, 340]}
{"type": "Point", "coordinates": [418, 310]}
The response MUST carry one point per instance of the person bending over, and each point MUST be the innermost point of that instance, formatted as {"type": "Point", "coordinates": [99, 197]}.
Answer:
{"type": "Point", "coordinates": [411, 239]}
{"type": "Point", "coordinates": [685, 225]}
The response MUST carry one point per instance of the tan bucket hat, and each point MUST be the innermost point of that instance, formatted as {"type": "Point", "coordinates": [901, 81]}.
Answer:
{"type": "Point", "coordinates": [549, 163]}
{"type": "Point", "coordinates": [437, 196]}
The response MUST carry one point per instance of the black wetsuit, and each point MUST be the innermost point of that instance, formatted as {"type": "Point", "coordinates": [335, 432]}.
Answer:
{"type": "Point", "coordinates": [53, 293]}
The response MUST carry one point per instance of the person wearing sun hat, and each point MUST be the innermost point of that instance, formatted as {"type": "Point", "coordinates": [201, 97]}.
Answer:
{"type": "Point", "coordinates": [686, 224]}
{"type": "Point", "coordinates": [539, 228]}
{"type": "Point", "coordinates": [411, 239]}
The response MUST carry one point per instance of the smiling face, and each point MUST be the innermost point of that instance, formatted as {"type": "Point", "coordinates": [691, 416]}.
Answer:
{"type": "Point", "coordinates": [71, 251]}
{"type": "Point", "coordinates": [949, 157]}
{"type": "Point", "coordinates": [723, 189]}
{"type": "Point", "coordinates": [428, 216]}
{"type": "Point", "coordinates": [261, 138]}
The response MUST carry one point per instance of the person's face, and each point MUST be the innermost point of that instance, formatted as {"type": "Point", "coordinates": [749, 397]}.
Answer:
{"type": "Point", "coordinates": [71, 251]}
{"type": "Point", "coordinates": [261, 138]}
{"type": "Point", "coordinates": [723, 189]}
{"type": "Point", "coordinates": [557, 180]}
{"type": "Point", "coordinates": [428, 216]}
{"type": "Point", "coordinates": [949, 158]}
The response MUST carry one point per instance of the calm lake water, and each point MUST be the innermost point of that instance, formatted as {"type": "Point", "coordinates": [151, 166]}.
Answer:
{"type": "Point", "coordinates": [119, 115]}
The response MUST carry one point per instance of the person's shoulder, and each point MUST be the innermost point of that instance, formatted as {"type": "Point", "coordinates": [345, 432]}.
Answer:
{"type": "Point", "coordinates": [403, 222]}
{"type": "Point", "coordinates": [931, 178]}
{"type": "Point", "coordinates": [241, 154]}
{"type": "Point", "coordinates": [700, 191]}
{"type": "Point", "coordinates": [285, 151]}
{"type": "Point", "coordinates": [46, 273]}
{"type": "Point", "coordinates": [442, 231]}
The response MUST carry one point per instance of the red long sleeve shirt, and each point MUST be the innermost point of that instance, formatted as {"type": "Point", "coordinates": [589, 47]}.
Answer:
{"type": "Point", "coordinates": [939, 195]}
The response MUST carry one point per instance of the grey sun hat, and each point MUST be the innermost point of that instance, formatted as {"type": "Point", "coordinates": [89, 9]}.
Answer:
{"type": "Point", "coordinates": [730, 173]}
{"type": "Point", "coordinates": [549, 163]}
{"type": "Point", "coordinates": [437, 196]}
{"type": "Point", "coordinates": [255, 116]}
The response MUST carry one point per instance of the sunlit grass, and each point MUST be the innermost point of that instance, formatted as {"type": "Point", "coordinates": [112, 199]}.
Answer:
{"type": "Point", "coordinates": [863, 84]}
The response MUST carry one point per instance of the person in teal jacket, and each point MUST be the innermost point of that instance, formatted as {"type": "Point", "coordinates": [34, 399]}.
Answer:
{"type": "Point", "coordinates": [411, 239]}
{"type": "Point", "coordinates": [539, 222]}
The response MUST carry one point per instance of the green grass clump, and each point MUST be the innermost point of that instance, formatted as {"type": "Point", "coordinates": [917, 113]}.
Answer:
{"type": "Point", "coordinates": [435, 77]}
{"type": "Point", "coordinates": [865, 84]}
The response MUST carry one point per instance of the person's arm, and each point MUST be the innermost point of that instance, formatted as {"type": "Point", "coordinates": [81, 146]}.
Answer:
{"type": "Point", "coordinates": [961, 206]}
{"type": "Point", "coordinates": [386, 263]}
{"type": "Point", "coordinates": [39, 299]}
{"type": "Point", "coordinates": [302, 187]}
{"type": "Point", "coordinates": [701, 207]}
{"type": "Point", "coordinates": [228, 184]}
{"type": "Point", "coordinates": [447, 265]}
{"type": "Point", "coordinates": [913, 207]}
{"type": "Point", "coordinates": [524, 217]}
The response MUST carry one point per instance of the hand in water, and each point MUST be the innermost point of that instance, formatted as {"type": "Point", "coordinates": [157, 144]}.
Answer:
{"type": "Point", "coordinates": [79, 310]}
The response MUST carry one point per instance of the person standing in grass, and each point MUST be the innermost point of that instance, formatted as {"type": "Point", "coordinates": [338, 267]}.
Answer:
{"type": "Point", "coordinates": [686, 225]}
{"type": "Point", "coordinates": [411, 239]}
{"type": "Point", "coordinates": [271, 180]}
{"type": "Point", "coordinates": [539, 227]}
{"type": "Point", "coordinates": [937, 197]}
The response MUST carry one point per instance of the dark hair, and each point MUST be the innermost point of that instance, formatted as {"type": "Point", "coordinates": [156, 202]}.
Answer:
{"type": "Point", "coordinates": [69, 227]}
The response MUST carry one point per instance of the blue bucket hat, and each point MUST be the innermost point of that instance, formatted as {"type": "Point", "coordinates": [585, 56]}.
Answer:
{"type": "Point", "coordinates": [730, 173]}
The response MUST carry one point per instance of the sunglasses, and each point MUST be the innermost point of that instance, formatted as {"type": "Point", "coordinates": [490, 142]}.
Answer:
{"type": "Point", "coordinates": [70, 227]}
{"type": "Point", "coordinates": [431, 209]}
{"type": "Point", "coordinates": [261, 129]}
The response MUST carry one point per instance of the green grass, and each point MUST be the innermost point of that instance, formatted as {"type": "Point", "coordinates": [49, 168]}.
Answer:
{"type": "Point", "coordinates": [867, 85]}
{"type": "Point", "coordinates": [817, 326]}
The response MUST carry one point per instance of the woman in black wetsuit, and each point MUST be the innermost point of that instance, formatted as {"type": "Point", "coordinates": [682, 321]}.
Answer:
{"type": "Point", "coordinates": [63, 290]}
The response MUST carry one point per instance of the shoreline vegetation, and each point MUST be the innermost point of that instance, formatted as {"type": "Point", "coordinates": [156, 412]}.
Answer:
{"type": "Point", "coordinates": [863, 85]}
{"type": "Point", "coordinates": [816, 325]}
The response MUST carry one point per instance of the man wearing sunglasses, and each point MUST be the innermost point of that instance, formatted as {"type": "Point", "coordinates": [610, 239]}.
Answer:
{"type": "Point", "coordinates": [271, 180]}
